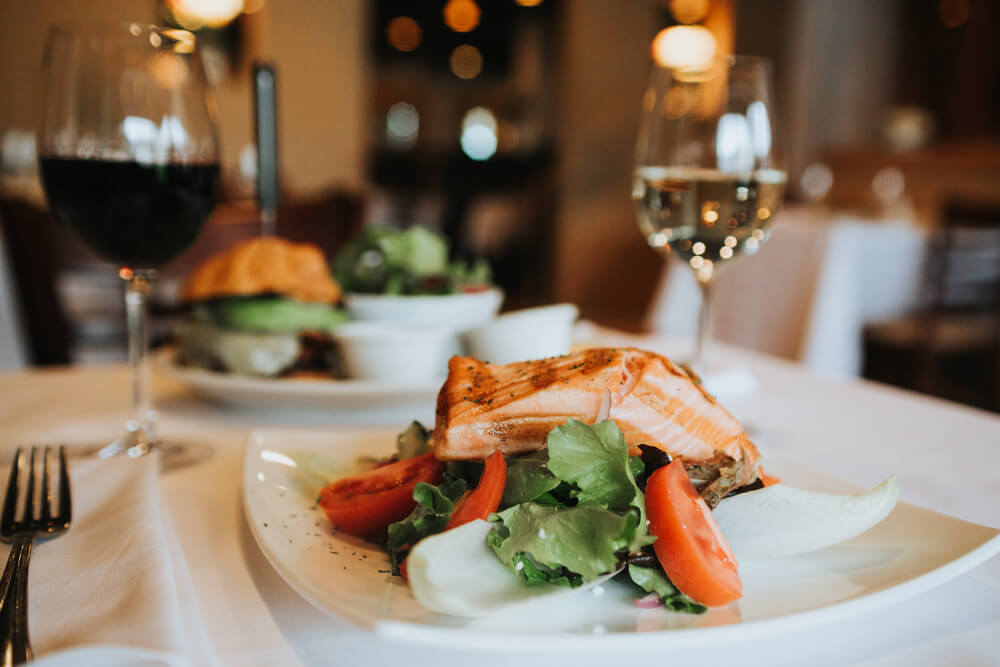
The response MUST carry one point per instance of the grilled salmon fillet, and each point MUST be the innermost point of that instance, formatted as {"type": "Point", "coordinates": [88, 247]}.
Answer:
{"type": "Point", "coordinates": [484, 407]}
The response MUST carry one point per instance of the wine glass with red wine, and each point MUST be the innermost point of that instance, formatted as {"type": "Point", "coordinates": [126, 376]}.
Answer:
{"type": "Point", "coordinates": [129, 159]}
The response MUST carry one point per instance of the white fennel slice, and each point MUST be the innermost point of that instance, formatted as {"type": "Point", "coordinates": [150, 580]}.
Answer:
{"type": "Point", "coordinates": [782, 521]}
{"type": "Point", "coordinates": [457, 573]}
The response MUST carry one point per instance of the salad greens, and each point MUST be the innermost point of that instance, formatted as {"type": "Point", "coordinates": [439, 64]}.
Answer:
{"type": "Point", "coordinates": [414, 441]}
{"type": "Point", "coordinates": [584, 540]}
{"type": "Point", "coordinates": [385, 260]}
{"type": "Point", "coordinates": [269, 314]}
{"type": "Point", "coordinates": [434, 507]}
{"type": "Point", "coordinates": [569, 513]}
{"type": "Point", "coordinates": [653, 580]}
{"type": "Point", "coordinates": [528, 478]}
{"type": "Point", "coordinates": [608, 515]}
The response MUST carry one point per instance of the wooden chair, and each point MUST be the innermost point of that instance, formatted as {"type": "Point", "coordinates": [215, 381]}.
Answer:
{"type": "Point", "coordinates": [32, 243]}
{"type": "Point", "coordinates": [951, 346]}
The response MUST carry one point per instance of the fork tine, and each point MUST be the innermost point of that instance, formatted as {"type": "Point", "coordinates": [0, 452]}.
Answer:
{"type": "Point", "coordinates": [65, 504]}
{"type": "Point", "coordinates": [10, 499]}
{"type": "Point", "coordinates": [29, 496]}
{"type": "Point", "coordinates": [46, 493]}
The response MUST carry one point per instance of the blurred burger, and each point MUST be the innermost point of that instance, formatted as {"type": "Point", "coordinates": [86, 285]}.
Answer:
{"type": "Point", "coordinates": [265, 307]}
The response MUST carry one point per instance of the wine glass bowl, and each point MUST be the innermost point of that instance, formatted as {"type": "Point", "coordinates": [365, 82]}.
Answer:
{"type": "Point", "coordinates": [128, 159]}
{"type": "Point", "coordinates": [709, 174]}
{"type": "Point", "coordinates": [128, 154]}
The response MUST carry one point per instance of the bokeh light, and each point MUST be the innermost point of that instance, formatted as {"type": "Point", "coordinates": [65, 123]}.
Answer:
{"type": "Point", "coordinates": [479, 133]}
{"type": "Point", "coordinates": [461, 15]}
{"type": "Point", "coordinates": [684, 46]}
{"type": "Point", "coordinates": [466, 61]}
{"type": "Point", "coordinates": [404, 33]}
{"type": "Point", "coordinates": [689, 11]}
{"type": "Point", "coordinates": [816, 181]}
{"type": "Point", "coordinates": [954, 13]}
{"type": "Point", "coordinates": [402, 124]}
{"type": "Point", "coordinates": [196, 14]}
{"type": "Point", "coordinates": [889, 184]}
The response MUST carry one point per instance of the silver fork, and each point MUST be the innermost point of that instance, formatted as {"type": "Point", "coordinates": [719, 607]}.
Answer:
{"type": "Point", "coordinates": [14, 645]}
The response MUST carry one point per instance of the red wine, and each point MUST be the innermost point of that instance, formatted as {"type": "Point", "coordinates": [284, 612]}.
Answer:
{"type": "Point", "coordinates": [136, 215]}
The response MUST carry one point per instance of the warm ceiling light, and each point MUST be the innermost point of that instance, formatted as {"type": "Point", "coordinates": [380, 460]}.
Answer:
{"type": "Point", "coordinates": [684, 46]}
{"type": "Point", "coordinates": [689, 11]}
{"type": "Point", "coordinates": [529, 3]}
{"type": "Point", "coordinates": [404, 33]}
{"type": "Point", "coordinates": [466, 61]}
{"type": "Point", "coordinates": [196, 14]}
{"type": "Point", "coordinates": [461, 15]}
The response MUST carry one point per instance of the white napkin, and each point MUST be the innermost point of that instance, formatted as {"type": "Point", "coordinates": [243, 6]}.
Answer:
{"type": "Point", "coordinates": [114, 589]}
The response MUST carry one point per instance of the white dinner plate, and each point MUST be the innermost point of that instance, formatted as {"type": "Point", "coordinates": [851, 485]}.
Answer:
{"type": "Point", "coordinates": [911, 551]}
{"type": "Point", "coordinates": [350, 397]}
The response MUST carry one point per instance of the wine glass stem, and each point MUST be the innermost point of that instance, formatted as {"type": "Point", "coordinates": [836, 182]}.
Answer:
{"type": "Point", "coordinates": [698, 363]}
{"type": "Point", "coordinates": [137, 289]}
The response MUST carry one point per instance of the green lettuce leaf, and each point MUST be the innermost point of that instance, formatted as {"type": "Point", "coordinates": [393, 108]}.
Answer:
{"type": "Point", "coordinates": [653, 580]}
{"type": "Point", "coordinates": [595, 459]}
{"type": "Point", "coordinates": [414, 441]}
{"type": "Point", "coordinates": [431, 515]}
{"type": "Point", "coordinates": [584, 539]}
{"type": "Point", "coordinates": [528, 479]}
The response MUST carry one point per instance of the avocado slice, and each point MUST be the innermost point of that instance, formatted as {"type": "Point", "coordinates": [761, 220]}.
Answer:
{"type": "Point", "coordinates": [273, 315]}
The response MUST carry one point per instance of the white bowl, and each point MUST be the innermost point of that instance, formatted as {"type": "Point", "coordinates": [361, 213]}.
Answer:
{"type": "Point", "coordinates": [533, 333]}
{"type": "Point", "coordinates": [454, 311]}
{"type": "Point", "coordinates": [392, 353]}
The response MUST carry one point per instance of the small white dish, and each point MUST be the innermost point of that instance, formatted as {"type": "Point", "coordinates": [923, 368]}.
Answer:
{"type": "Point", "coordinates": [911, 551]}
{"type": "Point", "coordinates": [521, 335]}
{"type": "Point", "coordinates": [385, 352]}
{"type": "Point", "coordinates": [455, 311]}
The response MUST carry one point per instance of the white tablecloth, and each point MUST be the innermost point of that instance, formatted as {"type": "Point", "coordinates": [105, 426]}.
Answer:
{"type": "Point", "coordinates": [808, 293]}
{"type": "Point", "coordinates": [944, 455]}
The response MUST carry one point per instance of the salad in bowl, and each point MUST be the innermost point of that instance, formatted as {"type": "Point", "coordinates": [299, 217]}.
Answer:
{"type": "Point", "coordinates": [404, 277]}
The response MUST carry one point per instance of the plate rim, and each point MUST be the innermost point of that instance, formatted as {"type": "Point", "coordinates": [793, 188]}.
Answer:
{"type": "Point", "coordinates": [558, 641]}
{"type": "Point", "coordinates": [164, 363]}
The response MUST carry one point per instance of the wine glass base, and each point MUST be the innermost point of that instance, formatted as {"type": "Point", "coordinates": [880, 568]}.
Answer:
{"type": "Point", "coordinates": [138, 440]}
{"type": "Point", "coordinates": [172, 455]}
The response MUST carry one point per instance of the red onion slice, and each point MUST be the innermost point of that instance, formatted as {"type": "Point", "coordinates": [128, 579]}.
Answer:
{"type": "Point", "coordinates": [651, 601]}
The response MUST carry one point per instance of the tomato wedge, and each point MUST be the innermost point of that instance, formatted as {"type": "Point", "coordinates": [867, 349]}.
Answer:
{"type": "Point", "coordinates": [689, 544]}
{"type": "Point", "coordinates": [485, 499]}
{"type": "Point", "coordinates": [365, 504]}
{"type": "Point", "coordinates": [767, 480]}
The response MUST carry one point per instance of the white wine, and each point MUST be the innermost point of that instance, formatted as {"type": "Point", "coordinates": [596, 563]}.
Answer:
{"type": "Point", "coordinates": [704, 216]}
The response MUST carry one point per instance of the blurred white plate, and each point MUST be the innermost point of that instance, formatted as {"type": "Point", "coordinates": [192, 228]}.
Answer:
{"type": "Point", "coordinates": [911, 551]}
{"type": "Point", "coordinates": [348, 396]}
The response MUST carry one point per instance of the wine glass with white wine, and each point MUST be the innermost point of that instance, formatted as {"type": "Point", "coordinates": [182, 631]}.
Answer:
{"type": "Point", "coordinates": [709, 173]}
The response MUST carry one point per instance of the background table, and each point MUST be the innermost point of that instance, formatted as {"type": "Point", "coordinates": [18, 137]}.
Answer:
{"type": "Point", "coordinates": [944, 456]}
{"type": "Point", "coordinates": [810, 290]}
